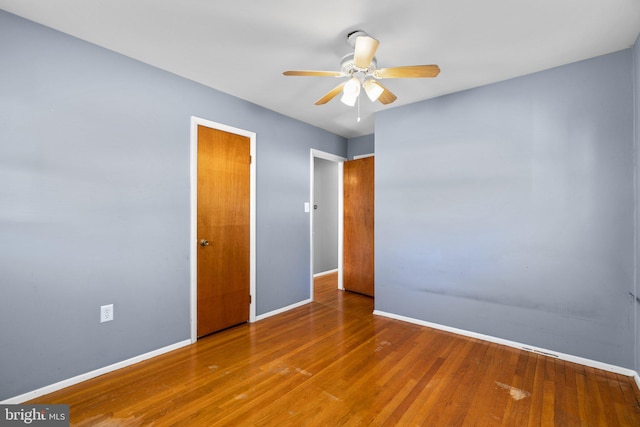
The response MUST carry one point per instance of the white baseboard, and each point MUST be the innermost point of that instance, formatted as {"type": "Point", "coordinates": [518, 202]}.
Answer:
{"type": "Point", "coordinates": [283, 309]}
{"type": "Point", "coordinates": [101, 371]}
{"type": "Point", "coordinates": [322, 273]}
{"type": "Point", "coordinates": [538, 350]}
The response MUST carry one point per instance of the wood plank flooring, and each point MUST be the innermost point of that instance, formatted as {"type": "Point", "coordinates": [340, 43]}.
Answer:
{"type": "Point", "coordinates": [333, 363]}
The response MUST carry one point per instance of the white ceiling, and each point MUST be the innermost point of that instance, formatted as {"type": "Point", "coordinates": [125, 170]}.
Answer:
{"type": "Point", "coordinates": [241, 47]}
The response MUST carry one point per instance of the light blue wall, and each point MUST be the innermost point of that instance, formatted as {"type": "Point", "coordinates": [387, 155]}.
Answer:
{"type": "Point", "coordinates": [360, 145]}
{"type": "Point", "coordinates": [325, 215]}
{"type": "Point", "coordinates": [508, 210]}
{"type": "Point", "coordinates": [94, 204]}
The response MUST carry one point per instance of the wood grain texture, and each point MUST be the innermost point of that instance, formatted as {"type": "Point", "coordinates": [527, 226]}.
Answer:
{"type": "Point", "coordinates": [331, 94]}
{"type": "Point", "coordinates": [364, 51]}
{"type": "Point", "coordinates": [387, 96]}
{"type": "Point", "coordinates": [334, 363]}
{"type": "Point", "coordinates": [313, 73]}
{"type": "Point", "coordinates": [407, 72]}
{"type": "Point", "coordinates": [358, 246]}
{"type": "Point", "coordinates": [224, 221]}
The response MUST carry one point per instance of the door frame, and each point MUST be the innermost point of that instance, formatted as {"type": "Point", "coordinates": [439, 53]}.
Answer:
{"type": "Point", "coordinates": [340, 160]}
{"type": "Point", "coordinates": [195, 122]}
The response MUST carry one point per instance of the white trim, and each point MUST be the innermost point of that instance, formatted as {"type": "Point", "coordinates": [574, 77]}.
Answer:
{"type": "Point", "coordinates": [195, 121]}
{"type": "Point", "coordinates": [637, 378]}
{"type": "Point", "coordinates": [340, 225]}
{"type": "Point", "coordinates": [363, 156]}
{"type": "Point", "coordinates": [538, 350]}
{"type": "Point", "coordinates": [340, 160]}
{"type": "Point", "coordinates": [324, 273]}
{"type": "Point", "coordinates": [283, 309]}
{"type": "Point", "coordinates": [636, 356]}
{"type": "Point", "coordinates": [327, 156]}
{"type": "Point", "coordinates": [87, 376]}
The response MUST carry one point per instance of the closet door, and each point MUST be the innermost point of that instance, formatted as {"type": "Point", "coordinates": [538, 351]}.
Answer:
{"type": "Point", "coordinates": [223, 229]}
{"type": "Point", "coordinates": [358, 254]}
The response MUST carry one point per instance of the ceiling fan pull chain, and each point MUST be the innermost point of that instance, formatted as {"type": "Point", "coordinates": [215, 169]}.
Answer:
{"type": "Point", "coordinates": [358, 109]}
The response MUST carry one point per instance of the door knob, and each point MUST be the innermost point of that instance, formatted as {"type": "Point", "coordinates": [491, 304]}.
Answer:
{"type": "Point", "coordinates": [204, 242]}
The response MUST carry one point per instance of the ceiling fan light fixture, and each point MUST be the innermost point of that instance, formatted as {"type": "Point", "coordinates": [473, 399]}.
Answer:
{"type": "Point", "coordinates": [349, 100]}
{"type": "Point", "coordinates": [373, 89]}
{"type": "Point", "coordinates": [350, 92]}
{"type": "Point", "coordinates": [361, 70]}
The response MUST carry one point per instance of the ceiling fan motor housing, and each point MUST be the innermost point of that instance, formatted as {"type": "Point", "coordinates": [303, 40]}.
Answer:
{"type": "Point", "coordinates": [347, 67]}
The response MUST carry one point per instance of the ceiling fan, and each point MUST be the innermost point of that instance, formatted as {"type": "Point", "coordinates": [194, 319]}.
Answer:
{"type": "Point", "coordinates": [361, 69]}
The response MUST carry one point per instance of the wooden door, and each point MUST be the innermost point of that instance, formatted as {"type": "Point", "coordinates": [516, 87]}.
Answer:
{"type": "Point", "coordinates": [358, 265]}
{"type": "Point", "coordinates": [223, 229]}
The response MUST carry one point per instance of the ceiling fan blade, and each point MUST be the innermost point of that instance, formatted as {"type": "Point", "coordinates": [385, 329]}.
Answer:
{"type": "Point", "coordinates": [365, 51]}
{"type": "Point", "coordinates": [313, 73]}
{"type": "Point", "coordinates": [387, 96]}
{"type": "Point", "coordinates": [331, 94]}
{"type": "Point", "coordinates": [407, 72]}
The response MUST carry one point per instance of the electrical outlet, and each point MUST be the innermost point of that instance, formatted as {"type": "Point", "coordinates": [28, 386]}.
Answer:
{"type": "Point", "coordinates": [106, 313]}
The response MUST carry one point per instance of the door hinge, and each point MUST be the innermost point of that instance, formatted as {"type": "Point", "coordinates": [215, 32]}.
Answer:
{"type": "Point", "coordinates": [250, 159]}
{"type": "Point", "coordinates": [250, 299]}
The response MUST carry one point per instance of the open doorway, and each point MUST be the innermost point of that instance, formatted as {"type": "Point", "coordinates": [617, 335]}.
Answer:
{"type": "Point", "coordinates": [326, 216]}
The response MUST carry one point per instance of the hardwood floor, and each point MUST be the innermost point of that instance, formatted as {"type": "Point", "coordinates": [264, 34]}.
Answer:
{"type": "Point", "coordinates": [333, 363]}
